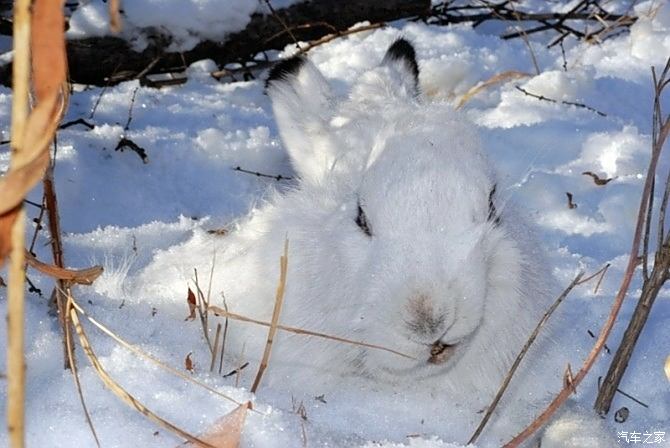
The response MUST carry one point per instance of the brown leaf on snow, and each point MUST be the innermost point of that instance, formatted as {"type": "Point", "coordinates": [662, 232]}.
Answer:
{"type": "Point", "coordinates": [226, 432]}
{"type": "Point", "coordinates": [188, 362]}
{"type": "Point", "coordinates": [596, 179]}
{"type": "Point", "coordinates": [190, 299]}
{"type": "Point", "coordinates": [571, 205]}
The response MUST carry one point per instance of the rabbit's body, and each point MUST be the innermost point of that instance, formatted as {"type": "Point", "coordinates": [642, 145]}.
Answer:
{"type": "Point", "coordinates": [396, 238]}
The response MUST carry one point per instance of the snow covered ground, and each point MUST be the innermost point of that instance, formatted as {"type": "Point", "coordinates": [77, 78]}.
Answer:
{"type": "Point", "coordinates": [124, 214]}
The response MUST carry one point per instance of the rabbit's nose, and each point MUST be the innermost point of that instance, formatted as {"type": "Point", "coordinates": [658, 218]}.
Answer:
{"type": "Point", "coordinates": [422, 319]}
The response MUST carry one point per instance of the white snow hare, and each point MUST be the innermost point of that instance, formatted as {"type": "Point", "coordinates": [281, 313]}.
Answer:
{"type": "Point", "coordinates": [397, 237]}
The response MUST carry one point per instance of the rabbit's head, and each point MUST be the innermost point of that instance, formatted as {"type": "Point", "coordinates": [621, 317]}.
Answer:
{"type": "Point", "coordinates": [411, 244]}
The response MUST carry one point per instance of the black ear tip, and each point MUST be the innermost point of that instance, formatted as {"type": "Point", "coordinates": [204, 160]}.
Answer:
{"type": "Point", "coordinates": [281, 70]}
{"type": "Point", "coordinates": [402, 50]}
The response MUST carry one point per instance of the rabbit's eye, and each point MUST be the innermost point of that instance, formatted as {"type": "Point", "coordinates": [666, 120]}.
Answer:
{"type": "Point", "coordinates": [362, 221]}
{"type": "Point", "coordinates": [493, 213]}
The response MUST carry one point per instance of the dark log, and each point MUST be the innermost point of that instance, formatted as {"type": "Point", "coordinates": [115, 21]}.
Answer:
{"type": "Point", "coordinates": [108, 60]}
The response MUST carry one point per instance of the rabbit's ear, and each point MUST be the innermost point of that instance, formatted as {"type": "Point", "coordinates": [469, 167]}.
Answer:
{"type": "Point", "coordinates": [401, 58]}
{"type": "Point", "coordinates": [303, 104]}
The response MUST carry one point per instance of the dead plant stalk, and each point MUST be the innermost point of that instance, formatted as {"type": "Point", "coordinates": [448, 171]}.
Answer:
{"type": "Point", "coordinates": [279, 299]}
{"type": "Point", "coordinates": [563, 395]}
{"type": "Point", "coordinates": [15, 294]}
{"type": "Point", "coordinates": [651, 282]}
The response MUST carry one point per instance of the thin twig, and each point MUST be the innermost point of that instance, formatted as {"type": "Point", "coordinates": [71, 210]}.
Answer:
{"type": "Point", "coordinates": [130, 109]}
{"type": "Point", "coordinates": [236, 371]}
{"type": "Point", "coordinates": [563, 395]}
{"type": "Point", "coordinates": [276, 177]}
{"type": "Point", "coordinates": [645, 237]}
{"type": "Point", "coordinates": [53, 219]}
{"type": "Point", "coordinates": [660, 273]}
{"type": "Point", "coordinates": [221, 312]}
{"type": "Point", "coordinates": [80, 121]}
{"type": "Point", "coordinates": [329, 37]}
{"type": "Point", "coordinates": [567, 103]}
{"type": "Point", "coordinates": [38, 223]}
{"type": "Point", "coordinates": [282, 23]}
{"type": "Point", "coordinates": [519, 358]}
{"type": "Point", "coordinates": [203, 312]}
{"type": "Point", "coordinates": [225, 335]}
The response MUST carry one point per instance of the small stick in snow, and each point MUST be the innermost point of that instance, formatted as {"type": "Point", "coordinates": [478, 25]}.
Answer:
{"type": "Point", "coordinates": [128, 143]}
{"type": "Point", "coordinates": [216, 347]}
{"type": "Point", "coordinates": [625, 394]}
{"type": "Point", "coordinates": [225, 335]}
{"type": "Point", "coordinates": [236, 371]}
{"type": "Point", "coordinates": [279, 299]}
{"type": "Point", "coordinates": [605, 347]}
{"type": "Point", "coordinates": [567, 103]}
{"type": "Point", "coordinates": [130, 109]}
{"type": "Point", "coordinates": [276, 177]}
{"type": "Point", "coordinates": [76, 122]}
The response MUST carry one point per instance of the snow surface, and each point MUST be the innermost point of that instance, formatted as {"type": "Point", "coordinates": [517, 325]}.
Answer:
{"type": "Point", "coordinates": [124, 214]}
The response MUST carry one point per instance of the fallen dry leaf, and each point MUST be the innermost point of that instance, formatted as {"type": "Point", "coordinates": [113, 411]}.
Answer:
{"type": "Point", "coordinates": [81, 276]}
{"type": "Point", "coordinates": [190, 299]}
{"type": "Point", "coordinates": [597, 179]}
{"type": "Point", "coordinates": [226, 432]}
{"type": "Point", "coordinates": [188, 363]}
{"type": "Point", "coordinates": [571, 205]}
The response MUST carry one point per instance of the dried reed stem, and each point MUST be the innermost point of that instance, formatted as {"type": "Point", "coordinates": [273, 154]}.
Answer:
{"type": "Point", "coordinates": [20, 76]}
{"type": "Point", "coordinates": [216, 347]}
{"type": "Point", "coordinates": [148, 356]}
{"type": "Point", "coordinates": [16, 381]}
{"type": "Point", "coordinates": [279, 299]}
{"type": "Point", "coordinates": [228, 315]}
{"type": "Point", "coordinates": [120, 392]}
{"type": "Point", "coordinates": [563, 395]}
{"type": "Point", "coordinates": [75, 372]}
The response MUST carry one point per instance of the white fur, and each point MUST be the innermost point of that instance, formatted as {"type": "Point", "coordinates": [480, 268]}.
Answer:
{"type": "Point", "coordinates": [418, 171]}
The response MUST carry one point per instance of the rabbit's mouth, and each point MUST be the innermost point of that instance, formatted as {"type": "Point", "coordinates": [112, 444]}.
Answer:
{"type": "Point", "coordinates": [441, 352]}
